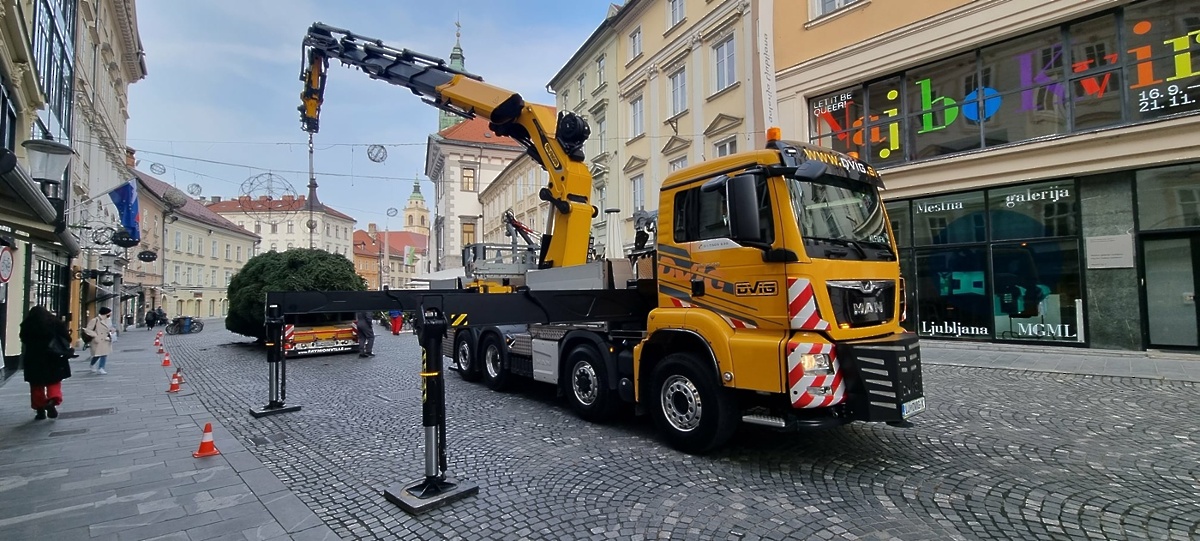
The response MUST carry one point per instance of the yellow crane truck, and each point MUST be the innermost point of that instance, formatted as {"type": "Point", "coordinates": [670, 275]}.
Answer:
{"type": "Point", "coordinates": [767, 291]}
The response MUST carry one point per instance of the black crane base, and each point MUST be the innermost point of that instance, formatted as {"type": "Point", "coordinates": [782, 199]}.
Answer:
{"type": "Point", "coordinates": [416, 497]}
{"type": "Point", "coordinates": [263, 411]}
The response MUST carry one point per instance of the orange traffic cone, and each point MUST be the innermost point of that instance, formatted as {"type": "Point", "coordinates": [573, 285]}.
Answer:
{"type": "Point", "coordinates": [174, 388]}
{"type": "Point", "coordinates": [157, 341]}
{"type": "Point", "coordinates": [207, 447]}
{"type": "Point", "coordinates": [159, 335]}
{"type": "Point", "coordinates": [166, 359]}
{"type": "Point", "coordinates": [179, 375]}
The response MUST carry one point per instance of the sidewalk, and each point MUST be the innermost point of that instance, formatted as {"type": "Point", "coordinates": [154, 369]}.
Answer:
{"type": "Point", "coordinates": [117, 463]}
{"type": "Point", "coordinates": [1097, 362]}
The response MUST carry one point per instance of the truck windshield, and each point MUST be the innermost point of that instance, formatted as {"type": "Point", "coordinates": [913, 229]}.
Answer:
{"type": "Point", "coordinates": [840, 218]}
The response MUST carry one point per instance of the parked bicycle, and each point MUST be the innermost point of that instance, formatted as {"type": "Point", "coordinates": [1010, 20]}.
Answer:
{"type": "Point", "coordinates": [179, 324]}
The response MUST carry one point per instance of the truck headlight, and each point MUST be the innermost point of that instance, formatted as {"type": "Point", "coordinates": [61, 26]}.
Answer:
{"type": "Point", "coordinates": [816, 364]}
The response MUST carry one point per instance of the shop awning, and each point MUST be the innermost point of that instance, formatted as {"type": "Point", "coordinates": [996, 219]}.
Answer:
{"type": "Point", "coordinates": [25, 212]}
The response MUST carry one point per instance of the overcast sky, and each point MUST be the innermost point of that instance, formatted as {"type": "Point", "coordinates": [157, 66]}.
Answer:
{"type": "Point", "coordinates": [223, 86]}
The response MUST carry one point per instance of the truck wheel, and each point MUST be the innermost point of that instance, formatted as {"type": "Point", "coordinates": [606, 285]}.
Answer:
{"type": "Point", "coordinates": [587, 385]}
{"type": "Point", "coordinates": [491, 353]}
{"type": "Point", "coordinates": [691, 408]}
{"type": "Point", "coordinates": [464, 357]}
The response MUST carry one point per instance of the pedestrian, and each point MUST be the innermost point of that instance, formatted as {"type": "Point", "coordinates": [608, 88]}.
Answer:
{"type": "Point", "coordinates": [366, 334]}
{"type": "Point", "coordinates": [47, 352]}
{"type": "Point", "coordinates": [101, 330]}
{"type": "Point", "coordinates": [397, 320]}
{"type": "Point", "coordinates": [160, 316]}
{"type": "Point", "coordinates": [150, 317]}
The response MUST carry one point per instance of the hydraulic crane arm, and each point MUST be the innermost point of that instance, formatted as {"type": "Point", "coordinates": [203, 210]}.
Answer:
{"type": "Point", "coordinates": [559, 152]}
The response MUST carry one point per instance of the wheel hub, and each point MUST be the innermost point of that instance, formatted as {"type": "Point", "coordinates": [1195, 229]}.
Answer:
{"type": "Point", "coordinates": [584, 384]}
{"type": "Point", "coordinates": [681, 403]}
{"type": "Point", "coordinates": [492, 361]}
{"type": "Point", "coordinates": [463, 359]}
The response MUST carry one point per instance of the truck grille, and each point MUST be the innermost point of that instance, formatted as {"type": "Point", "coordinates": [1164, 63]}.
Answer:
{"type": "Point", "coordinates": [862, 303]}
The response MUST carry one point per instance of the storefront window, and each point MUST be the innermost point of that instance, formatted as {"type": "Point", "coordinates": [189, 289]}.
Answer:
{"type": "Point", "coordinates": [885, 122]}
{"type": "Point", "coordinates": [837, 121]}
{"type": "Point", "coordinates": [943, 118]}
{"type": "Point", "coordinates": [1169, 197]}
{"type": "Point", "coordinates": [1030, 211]}
{"type": "Point", "coordinates": [901, 218]}
{"type": "Point", "coordinates": [952, 293]}
{"type": "Point", "coordinates": [1036, 293]}
{"type": "Point", "coordinates": [950, 219]}
{"type": "Point", "coordinates": [1161, 66]}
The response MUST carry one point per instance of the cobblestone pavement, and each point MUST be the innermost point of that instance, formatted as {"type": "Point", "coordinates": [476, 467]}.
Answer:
{"type": "Point", "coordinates": [1001, 454]}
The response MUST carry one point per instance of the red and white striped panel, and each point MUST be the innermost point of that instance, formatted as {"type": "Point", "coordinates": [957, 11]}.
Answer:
{"type": "Point", "coordinates": [802, 306]}
{"type": "Point", "coordinates": [289, 336]}
{"type": "Point", "coordinates": [732, 321]}
{"type": "Point", "coordinates": [799, 382]}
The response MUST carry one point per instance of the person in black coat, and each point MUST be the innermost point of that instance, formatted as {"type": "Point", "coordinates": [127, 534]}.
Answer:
{"type": "Point", "coordinates": [45, 368]}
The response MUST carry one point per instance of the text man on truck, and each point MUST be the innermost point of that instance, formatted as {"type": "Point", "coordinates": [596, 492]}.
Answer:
{"type": "Point", "coordinates": [771, 294]}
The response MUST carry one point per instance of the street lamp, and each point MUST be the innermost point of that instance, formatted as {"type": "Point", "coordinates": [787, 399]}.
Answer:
{"type": "Point", "coordinates": [48, 161]}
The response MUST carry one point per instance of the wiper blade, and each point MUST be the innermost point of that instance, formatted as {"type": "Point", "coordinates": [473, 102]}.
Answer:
{"type": "Point", "coordinates": [842, 242]}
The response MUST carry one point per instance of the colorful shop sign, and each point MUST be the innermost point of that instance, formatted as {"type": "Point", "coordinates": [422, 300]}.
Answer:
{"type": "Point", "coordinates": [1159, 69]}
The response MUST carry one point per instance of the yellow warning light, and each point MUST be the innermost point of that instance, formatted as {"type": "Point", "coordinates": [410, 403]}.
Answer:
{"type": "Point", "coordinates": [774, 133]}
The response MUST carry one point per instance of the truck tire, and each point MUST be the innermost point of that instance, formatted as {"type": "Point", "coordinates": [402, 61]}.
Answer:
{"type": "Point", "coordinates": [464, 357]}
{"type": "Point", "coordinates": [692, 410]}
{"type": "Point", "coordinates": [587, 385]}
{"type": "Point", "coordinates": [491, 360]}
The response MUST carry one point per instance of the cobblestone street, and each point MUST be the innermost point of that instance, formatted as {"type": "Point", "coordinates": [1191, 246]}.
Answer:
{"type": "Point", "coordinates": [1000, 454]}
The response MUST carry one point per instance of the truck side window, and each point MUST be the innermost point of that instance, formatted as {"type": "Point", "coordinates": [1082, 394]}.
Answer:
{"type": "Point", "coordinates": [701, 215]}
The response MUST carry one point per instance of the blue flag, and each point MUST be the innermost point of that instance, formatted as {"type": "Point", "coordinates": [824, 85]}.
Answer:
{"type": "Point", "coordinates": [126, 200]}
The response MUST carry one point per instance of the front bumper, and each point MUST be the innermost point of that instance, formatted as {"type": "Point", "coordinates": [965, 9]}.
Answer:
{"type": "Point", "coordinates": [883, 378]}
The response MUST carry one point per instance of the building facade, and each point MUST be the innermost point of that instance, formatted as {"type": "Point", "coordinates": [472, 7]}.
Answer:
{"type": "Point", "coordinates": [109, 58]}
{"type": "Point", "coordinates": [462, 161]}
{"type": "Point", "coordinates": [37, 64]}
{"type": "Point", "coordinates": [514, 190]}
{"type": "Point", "coordinates": [202, 251]}
{"type": "Point", "coordinates": [690, 84]}
{"type": "Point", "coordinates": [1041, 161]}
{"type": "Point", "coordinates": [282, 224]}
{"type": "Point", "coordinates": [587, 85]}
{"type": "Point", "coordinates": [391, 258]}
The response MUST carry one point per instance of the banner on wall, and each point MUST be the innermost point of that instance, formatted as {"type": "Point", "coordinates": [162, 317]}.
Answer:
{"type": "Point", "coordinates": [766, 63]}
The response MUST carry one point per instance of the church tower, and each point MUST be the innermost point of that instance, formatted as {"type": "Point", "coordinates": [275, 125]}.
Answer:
{"type": "Point", "coordinates": [445, 120]}
{"type": "Point", "coordinates": [416, 214]}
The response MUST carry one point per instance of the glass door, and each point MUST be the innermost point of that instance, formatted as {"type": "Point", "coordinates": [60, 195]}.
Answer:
{"type": "Point", "coordinates": [1171, 284]}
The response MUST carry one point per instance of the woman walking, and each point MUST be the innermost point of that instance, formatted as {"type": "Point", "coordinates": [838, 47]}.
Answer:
{"type": "Point", "coordinates": [47, 351]}
{"type": "Point", "coordinates": [101, 330]}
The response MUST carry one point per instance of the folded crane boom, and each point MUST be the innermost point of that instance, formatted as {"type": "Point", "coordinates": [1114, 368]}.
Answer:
{"type": "Point", "coordinates": [555, 144]}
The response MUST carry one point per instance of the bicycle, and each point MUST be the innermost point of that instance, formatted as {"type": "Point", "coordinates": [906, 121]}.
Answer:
{"type": "Point", "coordinates": [176, 326]}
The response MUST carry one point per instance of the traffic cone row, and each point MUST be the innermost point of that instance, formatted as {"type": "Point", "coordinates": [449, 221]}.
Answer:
{"type": "Point", "coordinates": [207, 447]}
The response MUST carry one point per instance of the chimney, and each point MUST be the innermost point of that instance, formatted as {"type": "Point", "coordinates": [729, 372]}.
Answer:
{"type": "Point", "coordinates": [289, 198]}
{"type": "Point", "coordinates": [262, 198]}
{"type": "Point", "coordinates": [215, 199]}
{"type": "Point", "coordinates": [371, 228]}
{"type": "Point", "coordinates": [130, 161]}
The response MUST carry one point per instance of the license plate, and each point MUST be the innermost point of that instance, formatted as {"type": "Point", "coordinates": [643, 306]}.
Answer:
{"type": "Point", "coordinates": [912, 407]}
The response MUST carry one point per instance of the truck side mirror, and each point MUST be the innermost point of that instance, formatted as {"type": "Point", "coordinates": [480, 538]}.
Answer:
{"type": "Point", "coordinates": [742, 200]}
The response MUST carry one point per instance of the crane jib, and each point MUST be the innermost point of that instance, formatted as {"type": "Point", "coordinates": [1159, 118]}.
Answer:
{"type": "Point", "coordinates": [550, 306]}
